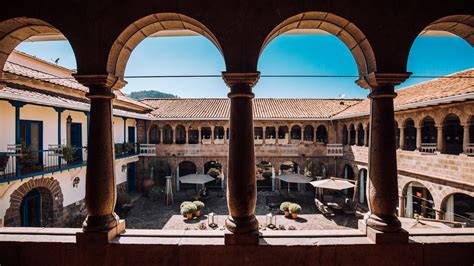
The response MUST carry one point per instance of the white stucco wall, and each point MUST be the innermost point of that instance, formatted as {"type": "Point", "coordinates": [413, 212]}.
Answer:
{"type": "Point", "coordinates": [118, 129]}
{"type": "Point", "coordinates": [7, 125]}
{"type": "Point", "coordinates": [77, 117]}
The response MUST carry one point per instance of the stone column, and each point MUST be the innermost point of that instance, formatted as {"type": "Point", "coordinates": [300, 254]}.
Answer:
{"type": "Point", "coordinates": [199, 135]}
{"type": "Point", "coordinates": [100, 176]}
{"type": "Point", "coordinates": [264, 137]}
{"type": "Point", "coordinates": [401, 206]}
{"type": "Point", "coordinates": [366, 137]}
{"type": "Point", "coordinates": [439, 139]}
{"type": "Point", "coordinates": [212, 134]}
{"type": "Point", "coordinates": [418, 138]}
{"type": "Point", "coordinates": [383, 185]}
{"type": "Point", "coordinates": [241, 181]}
{"type": "Point", "coordinates": [466, 140]}
{"type": "Point", "coordinates": [357, 137]}
{"type": "Point", "coordinates": [402, 138]}
{"type": "Point", "coordinates": [186, 136]}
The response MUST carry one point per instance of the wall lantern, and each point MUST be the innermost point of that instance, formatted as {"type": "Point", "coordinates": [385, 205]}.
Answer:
{"type": "Point", "coordinates": [271, 220]}
{"type": "Point", "coordinates": [75, 182]}
{"type": "Point", "coordinates": [124, 167]}
{"type": "Point", "coordinates": [212, 220]}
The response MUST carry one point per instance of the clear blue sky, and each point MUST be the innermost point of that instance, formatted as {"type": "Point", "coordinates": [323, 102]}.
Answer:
{"type": "Point", "coordinates": [288, 54]}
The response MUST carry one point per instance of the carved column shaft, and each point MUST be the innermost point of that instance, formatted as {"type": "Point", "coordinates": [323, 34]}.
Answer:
{"type": "Point", "coordinates": [100, 176]}
{"type": "Point", "coordinates": [439, 138]}
{"type": "Point", "coordinates": [241, 180]}
{"type": "Point", "coordinates": [418, 138]}
{"type": "Point", "coordinates": [383, 185]}
{"type": "Point", "coordinates": [402, 138]}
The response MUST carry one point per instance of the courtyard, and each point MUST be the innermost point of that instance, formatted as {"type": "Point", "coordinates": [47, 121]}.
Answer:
{"type": "Point", "coordinates": [149, 214]}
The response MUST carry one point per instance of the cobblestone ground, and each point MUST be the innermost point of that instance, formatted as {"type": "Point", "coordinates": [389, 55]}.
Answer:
{"type": "Point", "coordinates": [148, 214]}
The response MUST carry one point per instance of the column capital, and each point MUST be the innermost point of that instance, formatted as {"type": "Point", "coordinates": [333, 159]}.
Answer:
{"type": "Point", "coordinates": [376, 80]}
{"type": "Point", "coordinates": [240, 84]}
{"type": "Point", "coordinates": [100, 86]}
{"type": "Point", "coordinates": [59, 109]}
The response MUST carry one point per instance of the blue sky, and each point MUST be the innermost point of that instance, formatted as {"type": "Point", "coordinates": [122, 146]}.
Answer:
{"type": "Point", "coordinates": [287, 54]}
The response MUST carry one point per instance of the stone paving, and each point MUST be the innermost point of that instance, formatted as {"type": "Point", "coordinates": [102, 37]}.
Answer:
{"type": "Point", "coordinates": [148, 214]}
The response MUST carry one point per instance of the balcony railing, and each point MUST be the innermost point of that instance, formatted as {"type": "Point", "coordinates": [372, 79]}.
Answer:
{"type": "Point", "coordinates": [148, 149]}
{"type": "Point", "coordinates": [127, 149]}
{"type": "Point", "coordinates": [428, 147]}
{"type": "Point", "coordinates": [21, 162]}
{"type": "Point", "coordinates": [470, 149]}
{"type": "Point", "coordinates": [335, 150]}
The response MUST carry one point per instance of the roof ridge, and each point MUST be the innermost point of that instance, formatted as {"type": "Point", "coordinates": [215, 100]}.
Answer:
{"type": "Point", "coordinates": [325, 99]}
{"type": "Point", "coordinates": [44, 61]}
{"type": "Point", "coordinates": [437, 79]}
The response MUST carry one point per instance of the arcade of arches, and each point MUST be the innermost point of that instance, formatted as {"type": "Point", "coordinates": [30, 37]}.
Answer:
{"type": "Point", "coordinates": [104, 38]}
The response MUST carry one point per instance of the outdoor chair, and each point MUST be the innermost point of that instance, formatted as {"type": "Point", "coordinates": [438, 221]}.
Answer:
{"type": "Point", "coordinates": [325, 210]}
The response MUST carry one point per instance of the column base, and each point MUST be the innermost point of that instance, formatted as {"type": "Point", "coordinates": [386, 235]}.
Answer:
{"type": "Point", "coordinates": [385, 224]}
{"type": "Point", "coordinates": [246, 225]}
{"type": "Point", "coordinates": [102, 237]}
{"type": "Point", "coordinates": [100, 223]}
{"type": "Point", "coordinates": [379, 237]}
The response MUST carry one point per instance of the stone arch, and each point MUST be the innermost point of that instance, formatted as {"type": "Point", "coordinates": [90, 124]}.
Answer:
{"type": "Point", "coordinates": [431, 193]}
{"type": "Point", "coordinates": [12, 214]}
{"type": "Point", "coordinates": [447, 212]}
{"type": "Point", "coordinates": [16, 30]}
{"type": "Point", "coordinates": [154, 134]}
{"type": "Point", "coordinates": [452, 134]}
{"type": "Point", "coordinates": [343, 29]}
{"type": "Point", "coordinates": [139, 30]}
{"type": "Point", "coordinates": [459, 25]}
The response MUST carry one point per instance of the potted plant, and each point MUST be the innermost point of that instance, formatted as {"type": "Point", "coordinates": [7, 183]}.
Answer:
{"type": "Point", "coordinates": [188, 210]}
{"type": "Point", "coordinates": [294, 209]}
{"type": "Point", "coordinates": [199, 206]}
{"type": "Point", "coordinates": [284, 208]}
{"type": "Point", "coordinates": [68, 153]}
{"type": "Point", "coordinates": [118, 149]}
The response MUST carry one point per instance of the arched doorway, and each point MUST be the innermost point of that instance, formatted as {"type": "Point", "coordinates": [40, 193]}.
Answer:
{"type": "Point", "coordinates": [418, 201]}
{"type": "Point", "coordinates": [155, 135]}
{"type": "Point", "coordinates": [193, 136]}
{"type": "Point", "coordinates": [308, 133]}
{"type": "Point", "coordinates": [321, 134]}
{"type": "Point", "coordinates": [428, 131]}
{"type": "Point", "coordinates": [265, 174]}
{"type": "Point", "coordinates": [180, 134]}
{"type": "Point", "coordinates": [459, 207]}
{"type": "Point", "coordinates": [352, 135]}
{"type": "Point", "coordinates": [282, 132]}
{"type": "Point", "coordinates": [296, 132]}
{"type": "Point", "coordinates": [410, 135]}
{"type": "Point", "coordinates": [36, 209]}
{"type": "Point", "coordinates": [167, 134]}
{"type": "Point", "coordinates": [452, 135]}
{"type": "Point", "coordinates": [345, 135]}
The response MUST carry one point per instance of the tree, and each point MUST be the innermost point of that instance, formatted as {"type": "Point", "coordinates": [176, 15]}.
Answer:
{"type": "Point", "coordinates": [140, 95]}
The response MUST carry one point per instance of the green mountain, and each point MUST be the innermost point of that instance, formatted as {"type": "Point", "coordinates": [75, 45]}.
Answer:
{"type": "Point", "coordinates": [140, 95]}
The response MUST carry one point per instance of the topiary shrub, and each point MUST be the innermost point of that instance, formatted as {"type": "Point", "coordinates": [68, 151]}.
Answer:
{"type": "Point", "coordinates": [284, 206]}
{"type": "Point", "coordinates": [184, 203]}
{"type": "Point", "coordinates": [199, 204]}
{"type": "Point", "coordinates": [294, 208]}
{"type": "Point", "coordinates": [189, 208]}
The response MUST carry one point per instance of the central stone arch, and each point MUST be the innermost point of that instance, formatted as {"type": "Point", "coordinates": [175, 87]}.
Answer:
{"type": "Point", "coordinates": [343, 29]}
{"type": "Point", "coordinates": [51, 185]}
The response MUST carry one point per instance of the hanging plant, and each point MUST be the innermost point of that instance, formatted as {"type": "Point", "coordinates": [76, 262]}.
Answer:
{"type": "Point", "coordinates": [68, 153]}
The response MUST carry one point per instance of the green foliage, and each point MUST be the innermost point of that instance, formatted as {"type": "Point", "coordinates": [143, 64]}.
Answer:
{"type": "Point", "coordinates": [127, 147]}
{"type": "Point", "coordinates": [118, 149]}
{"type": "Point", "coordinates": [156, 192]}
{"type": "Point", "coordinates": [28, 157]}
{"type": "Point", "coordinates": [294, 208]}
{"type": "Point", "coordinates": [160, 169]}
{"type": "Point", "coordinates": [68, 153]}
{"type": "Point", "coordinates": [199, 205]}
{"type": "Point", "coordinates": [140, 95]}
{"type": "Point", "coordinates": [284, 206]}
{"type": "Point", "coordinates": [314, 169]}
{"type": "Point", "coordinates": [189, 208]}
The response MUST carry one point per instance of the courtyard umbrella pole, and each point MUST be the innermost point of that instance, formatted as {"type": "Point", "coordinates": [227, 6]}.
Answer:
{"type": "Point", "coordinates": [168, 191]}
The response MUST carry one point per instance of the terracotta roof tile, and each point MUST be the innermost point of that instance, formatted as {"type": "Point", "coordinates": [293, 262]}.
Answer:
{"type": "Point", "coordinates": [263, 108]}
{"type": "Point", "coordinates": [458, 84]}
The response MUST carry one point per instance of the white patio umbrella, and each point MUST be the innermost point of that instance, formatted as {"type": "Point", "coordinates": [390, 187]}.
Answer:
{"type": "Point", "coordinates": [198, 179]}
{"type": "Point", "coordinates": [333, 183]}
{"type": "Point", "coordinates": [294, 178]}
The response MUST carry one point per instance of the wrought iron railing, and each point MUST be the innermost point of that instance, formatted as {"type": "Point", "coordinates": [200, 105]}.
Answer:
{"type": "Point", "coordinates": [21, 162]}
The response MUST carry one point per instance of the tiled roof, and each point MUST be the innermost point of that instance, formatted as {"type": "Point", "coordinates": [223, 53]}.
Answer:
{"type": "Point", "coordinates": [456, 85]}
{"type": "Point", "coordinates": [38, 97]}
{"type": "Point", "coordinates": [28, 72]}
{"type": "Point", "coordinates": [264, 108]}
{"type": "Point", "coordinates": [25, 71]}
